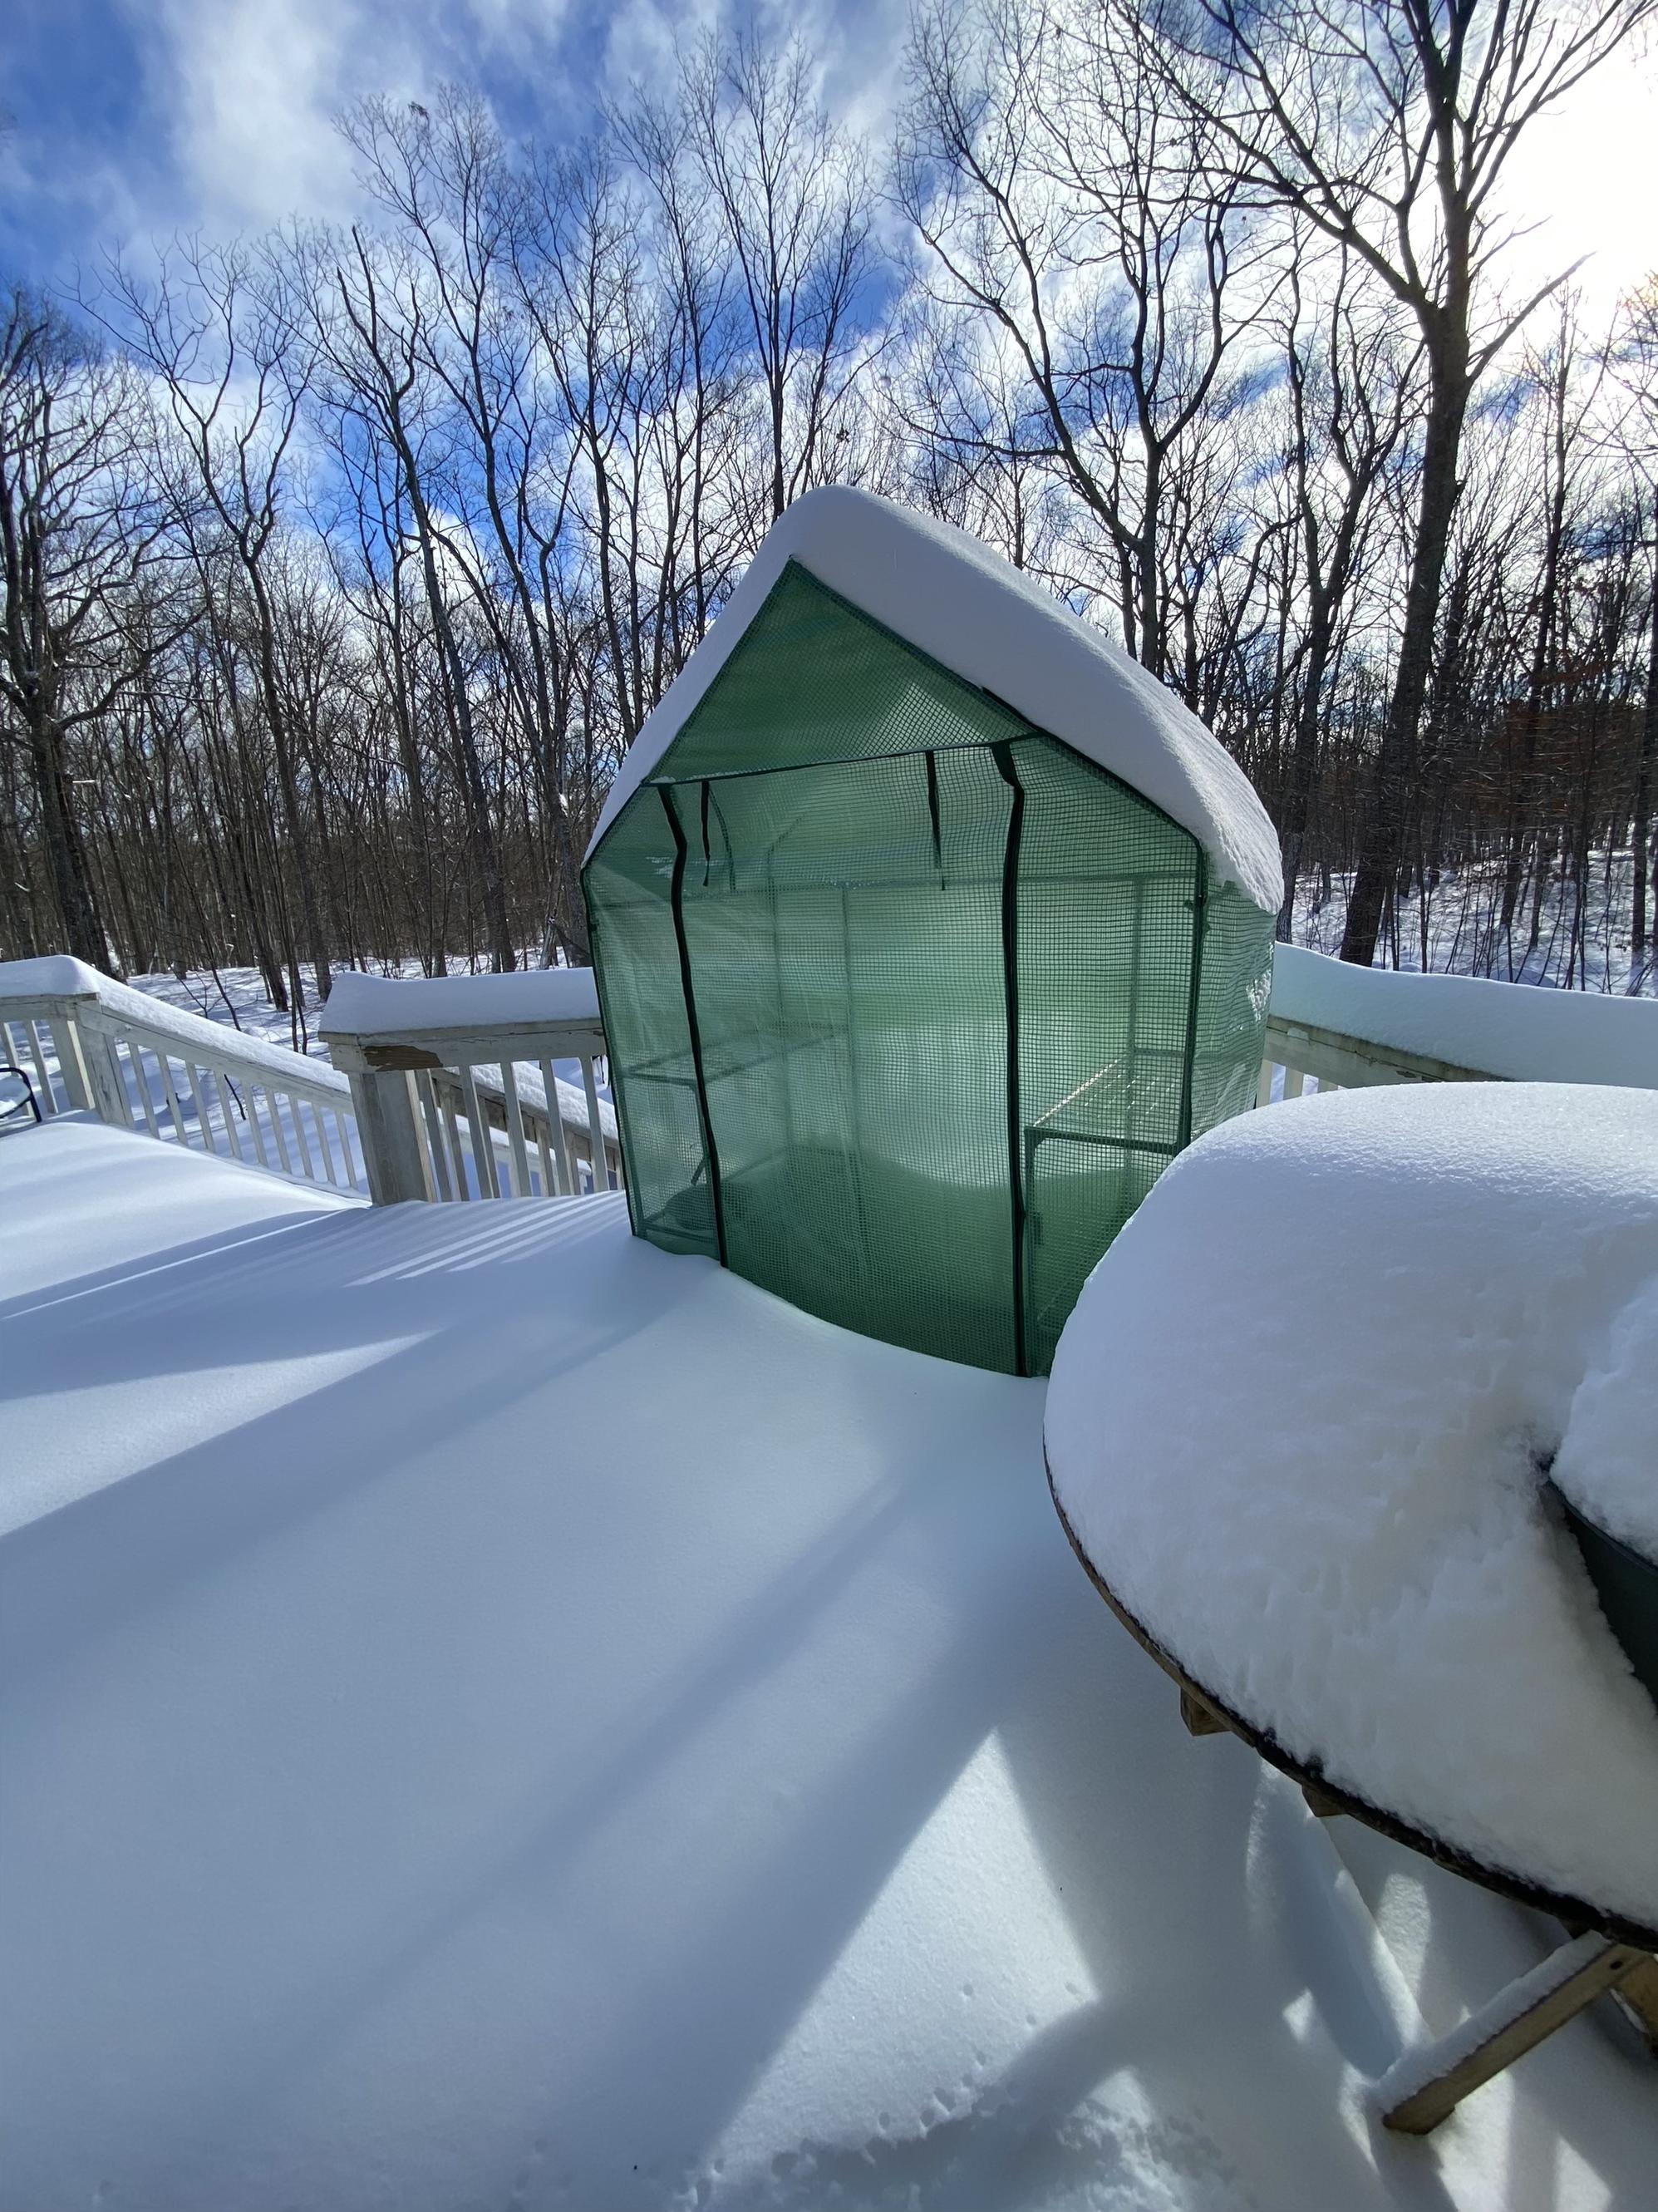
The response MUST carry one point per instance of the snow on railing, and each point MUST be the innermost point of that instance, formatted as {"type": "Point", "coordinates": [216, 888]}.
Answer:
{"type": "Point", "coordinates": [457, 1085]}
{"type": "Point", "coordinates": [1340, 1026]}
{"type": "Point", "coordinates": [90, 1044]}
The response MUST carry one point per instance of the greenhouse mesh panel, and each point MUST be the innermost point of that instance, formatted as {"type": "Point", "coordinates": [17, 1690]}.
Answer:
{"type": "Point", "coordinates": [1107, 913]}
{"type": "Point", "coordinates": [1236, 982]}
{"type": "Point", "coordinates": [636, 962]}
{"type": "Point", "coordinates": [879, 1157]}
{"type": "Point", "coordinates": [815, 680]}
{"type": "Point", "coordinates": [854, 1050]}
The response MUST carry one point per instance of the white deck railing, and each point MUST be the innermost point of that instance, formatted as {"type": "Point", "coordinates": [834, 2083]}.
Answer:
{"type": "Point", "coordinates": [1302, 1055]}
{"type": "Point", "coordinates": [456, 1086]}
{"type": "Point", "coordinates": [490, 1126]}
{"type": "Point", "coordinates": [1337, 1026]}
{"type": "Point", "coordinates": [90, 1044]}
{"type": "Point", "coordinates": [492, 1086]}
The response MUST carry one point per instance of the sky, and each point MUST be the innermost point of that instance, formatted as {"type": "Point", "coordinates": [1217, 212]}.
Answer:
{"type": "Point", "coordinates": [136, 118]}
{"type": "Point", "coordinates": [133, 119]}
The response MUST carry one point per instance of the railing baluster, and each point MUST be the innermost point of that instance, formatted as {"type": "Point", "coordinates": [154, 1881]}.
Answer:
{"type": "Point", "coordinates": [72, 1068]}
{"type": "Point", "coordinates": [521, 1164]}
{"type": "Point", "coordinates": [278, 1132]}
{"type": "Point", "coordinates": [297, 1108]}
{"type": "Point", "coordinates": [220, 1103]}
{"type": "Point", "coordinates": [343, 1138]}
{"type": "Point", "coordinates": [431, 1120]}
{"type": "Point", "coordinates": [483, 1150]}
{"type": "Point", "coordinates": [171, 1096]}
{"type": "Point", "coordinates": [542, 1125]}
{"type": "Point", "coordinates": [319, 1123]}
{"type": "Point", "coordinates": [564, 1173]}
{"type": "Point", "coordinates": [32, 1034]}
{"type": "Point", "coordinates": [198, 1099]}
{"type": "Point", "coordinates": [141, 1076]}
{"type": "Point", "coordinates": [445, 1097]}
{"type": "Point", "coordinates": [250, 1092]}
{"type": "Point", "coordinates": [225, 1091]}
{"type": "Point", "coordinates": [595, 1126]}
{"type": "Point", "coordinates": [355, 1172]}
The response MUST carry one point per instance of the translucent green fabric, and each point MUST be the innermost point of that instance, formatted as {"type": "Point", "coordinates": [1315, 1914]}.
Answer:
{"type": "Point", "coordinates": [907, 1004]}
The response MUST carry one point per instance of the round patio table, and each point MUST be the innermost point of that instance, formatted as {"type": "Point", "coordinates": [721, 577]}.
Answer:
{"type": "Point", "coordinates": [1608, 1950]}
{"type": "Point", "coordinates": [1299, 1429]}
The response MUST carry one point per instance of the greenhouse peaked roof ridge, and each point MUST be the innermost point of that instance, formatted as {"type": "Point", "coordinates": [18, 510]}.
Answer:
{"type": "Point", "coordinates": [952, 598]}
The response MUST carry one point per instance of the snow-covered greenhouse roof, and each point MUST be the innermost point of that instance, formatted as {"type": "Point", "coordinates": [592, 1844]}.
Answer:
{"type": "Point", "coordinates": [951, 598]}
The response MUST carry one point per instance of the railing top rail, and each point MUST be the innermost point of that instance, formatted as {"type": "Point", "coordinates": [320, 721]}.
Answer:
{"type": "Point", "coordinates": [465, 1045]}
{"type": "Point", "coordinates": [1345, 1059]}
{"type": "Point", "coordinates": [1467, 1025]}
{"type": "Point", "coordinates": [58, 984]}
{"type": "Point", "coordinates": [55, 976]}
{"type": "Point", "coordinates": [209, 1044]}
{"type": "Point", "coordinates": [42, 1006]}
{"type": "Point", "coordinates": [363, 1007]}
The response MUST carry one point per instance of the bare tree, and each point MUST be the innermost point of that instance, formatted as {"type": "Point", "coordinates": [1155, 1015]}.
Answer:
{"type": "Point", "coordinates": [1389, 125]}
{"type": "Point", "coordinates": [1063, 198]}
{"type": "Point", "coordinates": [793, 194]}
{"type": "Point", "coordinates": [1349, 382]}
{"type": "Point", "coordinates": [217, 333]}
{"type": "Point", "coordinates": [81, 526]}
{"type": "Point", "coordinates": [366, 312]}
{"type": "Point", "coordinates": [1634, 352]}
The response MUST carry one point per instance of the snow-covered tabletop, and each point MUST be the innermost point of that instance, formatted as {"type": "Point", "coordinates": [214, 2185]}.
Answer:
{"type": "Point", "coordinates": [1299, 1426]}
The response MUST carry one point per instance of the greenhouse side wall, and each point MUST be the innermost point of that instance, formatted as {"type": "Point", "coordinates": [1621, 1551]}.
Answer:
{"type": "Point", "coordinates": [636, 963]}
{"type": "Point", "coordinates": [1106, 897]}
{"type": "Point", "coordinates": [1234, 985]}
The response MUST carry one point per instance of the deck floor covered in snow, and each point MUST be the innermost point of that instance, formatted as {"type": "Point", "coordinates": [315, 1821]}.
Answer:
{"type": "Point", "coordinates": [493, 1715]}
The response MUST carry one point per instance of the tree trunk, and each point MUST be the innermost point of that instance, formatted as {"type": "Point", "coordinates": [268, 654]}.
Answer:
{"type": "Point", "coordinates": [1646, 773]}
{"type": "Point", "coordinates": [1381, 847]}
{"type": "Point", "coordinates": [72, 879]}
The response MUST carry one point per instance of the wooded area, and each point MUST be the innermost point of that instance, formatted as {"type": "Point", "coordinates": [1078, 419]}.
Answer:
{"type": "Point", "coordinates": [341, 565]}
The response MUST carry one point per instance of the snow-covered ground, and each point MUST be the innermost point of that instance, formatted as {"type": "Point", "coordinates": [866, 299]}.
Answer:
{"type": "Point", "coordinates": [493, 1715]}
{"type": "Point", "coordinates": [1456, 922]}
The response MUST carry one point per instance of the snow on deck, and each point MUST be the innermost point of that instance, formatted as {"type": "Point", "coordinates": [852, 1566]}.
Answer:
{"type": "Point", "coordinates": [494, 1716]}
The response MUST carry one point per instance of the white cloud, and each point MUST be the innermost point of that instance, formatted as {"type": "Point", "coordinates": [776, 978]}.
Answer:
{"type": "Point", "coordinates": [245, 91]}
{"type": "Point", "coordinates": [254, 87]}
{"type": "Point", "coordinates": [1586, 177]}
{"type": "Point", "coordinates": [241, 96]}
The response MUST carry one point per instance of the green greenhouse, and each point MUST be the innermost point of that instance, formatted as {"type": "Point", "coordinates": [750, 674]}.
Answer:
{"type": "Point", "coordinates": [928, 929]}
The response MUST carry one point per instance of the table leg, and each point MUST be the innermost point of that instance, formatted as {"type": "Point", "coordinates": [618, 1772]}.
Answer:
{"type": "Point", "coordinates": [1426, 2085]}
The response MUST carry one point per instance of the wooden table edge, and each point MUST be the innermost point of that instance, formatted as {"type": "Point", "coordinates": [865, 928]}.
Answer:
{"type": "Point", "coordinates": [1578, 1910]}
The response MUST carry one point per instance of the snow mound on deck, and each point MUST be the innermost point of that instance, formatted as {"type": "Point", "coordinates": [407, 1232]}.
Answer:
{"type": "Point", "coordinates": [951, 596]}
{"type": "Point", "coordinates": [1297, 1422]}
